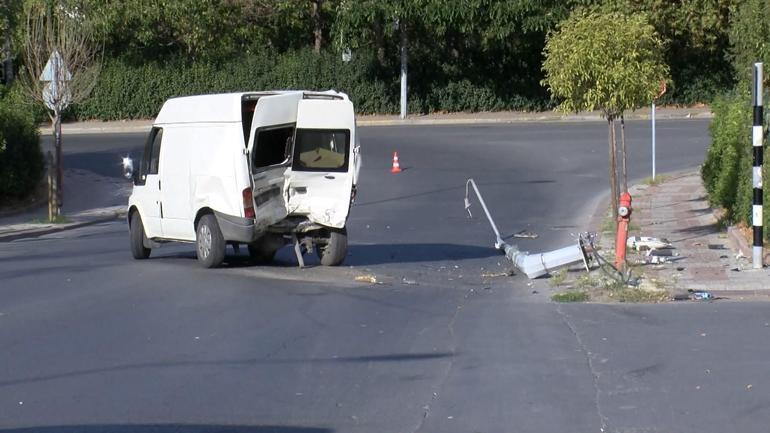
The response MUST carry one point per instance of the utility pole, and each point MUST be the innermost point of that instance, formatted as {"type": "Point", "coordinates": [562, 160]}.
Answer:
{"type": "Point", "coordinates": [404, 58]}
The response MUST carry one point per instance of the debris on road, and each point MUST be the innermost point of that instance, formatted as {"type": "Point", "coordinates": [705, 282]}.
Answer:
{"type": "Point", "coordinates": [700, 295]}
{"type": "Point", "coordinates": [694, 295]}
{"type": "Point", "coordinates": [661, 253]}
{"type": "Point", "coordinates": [371, 279]}
{"type": "Point", "coordinates": [526, 234]}
{"type": "Point", "coordinates": [496, 274]}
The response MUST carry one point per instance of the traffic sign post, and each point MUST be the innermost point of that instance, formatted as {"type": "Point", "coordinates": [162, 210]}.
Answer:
{"type": "Point", "coordinates": [57, 97]}
{"type": "Point", "coordinates": [661, 91]}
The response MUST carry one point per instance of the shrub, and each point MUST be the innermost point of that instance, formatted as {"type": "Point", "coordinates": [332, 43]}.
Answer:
{"type": "Point", "coordinates": [464, 96]}
{"type": "Point", "coordinates": [729, 139]}
{"type": "Point", "coordinates": [21, 161]}
{"type": "Point", "coordinates": [127, 90]}
{"type": "Point", "coordinates": [726, 171]}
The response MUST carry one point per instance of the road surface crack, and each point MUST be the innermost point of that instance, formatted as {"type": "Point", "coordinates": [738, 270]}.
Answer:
{"type": "Point", "coordinates": [448, 370]}
{"type": "Point", "coordinates": [604, 421]}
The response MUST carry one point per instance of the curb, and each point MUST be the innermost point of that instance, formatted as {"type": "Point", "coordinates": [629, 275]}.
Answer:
{"type": "Point", "coordinates": [35, 232]}
{"type": "Point", "coordinates": [523, 119]}
{"type": "Point", "coordinates": [117, 127]}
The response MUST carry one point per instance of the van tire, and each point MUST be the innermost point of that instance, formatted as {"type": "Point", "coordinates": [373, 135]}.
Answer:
{"type": "Point", "coordinates": [137, 237]}
{"type": "Point", "coordinates": [334, 250]}
{"type": "Point", "coordinates": [209, 242]}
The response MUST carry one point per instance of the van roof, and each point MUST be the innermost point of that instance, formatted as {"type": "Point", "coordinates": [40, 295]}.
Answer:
{"type": "Point", "coordinates": [224, 107]}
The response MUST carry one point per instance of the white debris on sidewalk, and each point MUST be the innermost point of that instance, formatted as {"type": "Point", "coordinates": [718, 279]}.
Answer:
{"type": "Point", "coordinates": [641, 243]}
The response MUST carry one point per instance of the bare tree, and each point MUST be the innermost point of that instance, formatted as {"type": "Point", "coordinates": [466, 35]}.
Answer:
{"type": "Point", "coordinates": [61, 66]}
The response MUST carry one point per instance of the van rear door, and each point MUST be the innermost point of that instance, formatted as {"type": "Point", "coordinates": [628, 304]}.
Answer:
{"type": "Point", "coordinates": [269, 150]}
{"type": "Point", "coordinates": [321, 178]}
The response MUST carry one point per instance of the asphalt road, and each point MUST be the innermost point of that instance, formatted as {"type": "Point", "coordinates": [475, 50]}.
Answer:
{"type": "Point", "coordinates": [92, 341]}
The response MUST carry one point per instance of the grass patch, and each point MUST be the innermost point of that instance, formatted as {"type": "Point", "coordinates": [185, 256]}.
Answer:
{"type": "Point", "coordinates": [574, 296]}
{"type": "Point", "coordinates": [610, 225]}
{"type": "Point", "coordinates": [61, 219]}
{"type": "Point", "coordinates": [558, 277]}
{"type": "Point", "coordinates": [639, 295]}
{"type": "Point", "coordinates": [657, 181]}
{"type": "Point", "coordinates": [601, 288]}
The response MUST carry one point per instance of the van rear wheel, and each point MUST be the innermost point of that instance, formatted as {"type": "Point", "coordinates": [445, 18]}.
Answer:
{"type": "Point", "coordinates": [335, 248]}
{"type": "Point", "coordinates": [137, 237]}
{"type": "Point", "coordinates": [209, 242]}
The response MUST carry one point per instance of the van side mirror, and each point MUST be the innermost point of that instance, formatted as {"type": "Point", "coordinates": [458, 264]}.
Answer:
{"type": "Point", "coordinates": [128, 168]}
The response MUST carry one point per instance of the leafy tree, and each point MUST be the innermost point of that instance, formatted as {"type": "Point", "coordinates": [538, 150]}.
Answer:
{"type": "Point", "coordinates": [750, 38]}
{"type": "Point", "coordinates": [696, 35]}
{"type": "Point", "coordinates": [604, 61]}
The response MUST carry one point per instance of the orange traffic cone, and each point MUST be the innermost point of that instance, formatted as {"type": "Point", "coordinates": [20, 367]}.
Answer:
{"type": "Point", "coordinates": [396, 166]}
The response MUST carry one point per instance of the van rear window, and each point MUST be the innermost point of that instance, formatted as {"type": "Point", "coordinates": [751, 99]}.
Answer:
{"type": "Point", "coordinates": [321, 150]}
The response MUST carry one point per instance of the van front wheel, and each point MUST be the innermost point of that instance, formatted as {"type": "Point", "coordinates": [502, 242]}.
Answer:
{"type": "Point", "coordinates": [209, 242]}
{"type": "Point", "coordinates": [335, 248]}
{"type": "Point", "coordinates": [137, 236]}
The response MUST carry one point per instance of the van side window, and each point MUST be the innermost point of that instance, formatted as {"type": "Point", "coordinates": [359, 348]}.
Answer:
{"type": "Point", "coordinates": [151, 157]}
{"type": "Point", "coordinates": [272, 146]}
{"type": "Point", "coordinates": [155, 155]}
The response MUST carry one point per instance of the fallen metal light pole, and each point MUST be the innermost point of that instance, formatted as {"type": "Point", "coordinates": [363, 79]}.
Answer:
{"type": "Point", "coordinates": [533, 265]}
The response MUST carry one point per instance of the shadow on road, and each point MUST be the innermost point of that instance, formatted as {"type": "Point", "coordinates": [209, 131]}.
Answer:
{"type": "Point", "coordinates": [366, 255]}
{"type": "Point", "coordinates": [166, 428]}
{"type": "Point", "coordinates": [394, 357]}
{"type": "Point", "coordinates": [358, 255]}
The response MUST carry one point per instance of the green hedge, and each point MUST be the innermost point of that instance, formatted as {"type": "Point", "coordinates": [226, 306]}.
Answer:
{"type": "Point", "coordinates": [21, 161]}
{"type": "Point", "coordinates": [128, 91]}
{"type": "Point", "coordinates": [727, 170]}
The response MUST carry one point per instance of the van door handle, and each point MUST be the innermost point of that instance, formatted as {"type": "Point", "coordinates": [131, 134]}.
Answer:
{"type": "Point", "coordinates": [328, 176]}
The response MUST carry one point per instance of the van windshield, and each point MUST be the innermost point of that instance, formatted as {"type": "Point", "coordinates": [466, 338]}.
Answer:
{"type": "Point", "coordinates": [321, 150]}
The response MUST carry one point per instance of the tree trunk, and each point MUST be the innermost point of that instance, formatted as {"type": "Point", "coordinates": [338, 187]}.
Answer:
{"type": "Point", "coordinates": [317, 26]}
{"type": "Point", "coordinates": [59, 188]}
{"type": "Point", "coordinates": [379, 40]}
{"type": "Point", "coordinates": [623, 152]}
{"type": "Point", "coordinates": [612, 165]}
{"type": "Point", "coordinates": [7, 60]}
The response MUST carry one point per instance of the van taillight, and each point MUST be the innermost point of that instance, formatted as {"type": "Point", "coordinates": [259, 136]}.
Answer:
{"type": "Point", "coordinates": [248, 203]}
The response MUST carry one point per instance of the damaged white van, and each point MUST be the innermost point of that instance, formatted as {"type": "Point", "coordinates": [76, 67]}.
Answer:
{"type": "Point", "coordinates": [261, 169]}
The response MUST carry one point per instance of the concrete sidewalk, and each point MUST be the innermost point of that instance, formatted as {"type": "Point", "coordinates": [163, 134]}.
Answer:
{"type": "Point", "coordinates": [89, 199]}
{"type": "Point", "coordinates": [11, 232]}
{"type": "Point", "coordinates": [708, 257]}
{"type": "Point", "coordinates": [502, 117]}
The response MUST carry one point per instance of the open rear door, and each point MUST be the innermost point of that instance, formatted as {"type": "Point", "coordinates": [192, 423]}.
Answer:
{"type": "Point", "coordinates": [269, 149]}
{"type": "Point", "coordinates": [322, 167]}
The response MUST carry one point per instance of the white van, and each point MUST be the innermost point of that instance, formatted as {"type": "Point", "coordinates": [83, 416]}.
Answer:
{"type": "Point", "coordinates": [262, 169]}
